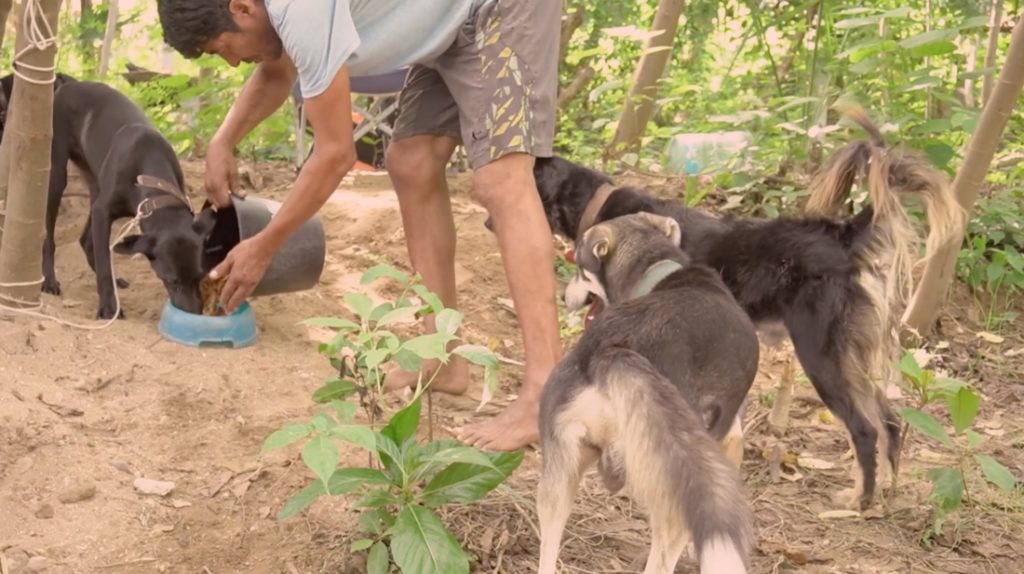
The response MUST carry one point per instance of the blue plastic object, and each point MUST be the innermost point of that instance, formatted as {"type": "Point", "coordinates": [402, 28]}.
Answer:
{"type": "Point", "coordinates": [692, 154]}
{"type": "Point", "coordinates": [234, 331]}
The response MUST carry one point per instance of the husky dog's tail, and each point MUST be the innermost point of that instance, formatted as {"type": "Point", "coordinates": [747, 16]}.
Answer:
{"type": "Point", "coordinates": [889, 175]}
{"type": "Point", "coordinates": [673, 467]}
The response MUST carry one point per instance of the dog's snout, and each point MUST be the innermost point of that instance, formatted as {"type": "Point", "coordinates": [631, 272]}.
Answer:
{"type": "Point", "coordinates": [489, 224]}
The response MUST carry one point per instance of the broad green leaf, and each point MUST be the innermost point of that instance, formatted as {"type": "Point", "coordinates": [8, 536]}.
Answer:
{"type": "Point", "coordinates": [925, 423]}
{"type": "Point", "coordinates": [995, 472]}
{"type": "Point", "coordinates": [937, 48]}
{"type": "Point", "coordinates": [477, 354]}
{"type": "Point", "coordinates": [947, 487]}
{"type": "Point", "coordinates": [360, 303]}
{"type": "Point", "coordinates": [346, 480]}
{"type": "Point", "coordinates": [380, 311]}
{"type": "Point", "coordinates": [359, 435]}
{"type": "Point", "coordinates": [371, 521]}
{"type": "Point", "coordinates": [333, 323]}
{"type": "Point", "coordinates": [463, 454]}
{"type": "Point", "coordinates": [963, 407]}
{"type": "Point", "coordinates": [945, 387]}
{"type": "Point", "coordinates": [909, 367]}
{"type": "Point", "coordinates": [853, 23]}
{"type": "Point", "coordinates": [929, 37]}
{"type": "Point", "coordinates": [387, 450]}
{"type": "Point", "coordinates": [974, 439]}
{"type": "Point", "coordinates": [939, 154]}
{"type": "Point", "coordinates": [469, 483]}
{"type": "Point", "coordinates": [334, 390]}
{"type": "Point", "coordinates": [428, 296]}
{"type": "Point", "coordinates": [398, 315]}
{"type": "Point", "coordinates": [322, 422]}
{"type": "Point", "coordinates": [360, 545]}
{"type": "Point", "coordinates": [404, 423]}
{"type": "Point", "coordinates": [376, 498]}
{"type": "Point", "coordinates": [285, 436]}
{"type": "Point", "coordinates": [448, 321]}
{"type": "Point", "coordinates": [408, 360]}
{"type": "Point", "coordinates": [420, 544]}
{"type": "Point", "coordinates": [345, 411]}
{"type": "Point", "coordinates": [321, 456]}
{"type": "Point", "coordinates": [377, 559]}
{"type": "Point", "coordinates": [430, 346]}
{"type": "Point", "coordinates": [866, 66]}
{"type": "Point", "coordinates": [383, 270]}
{"type": "Point", "coordinates": [974, 22]}
{"type": "Point", "coordinates": [375, 357]}
{"type": "Point", "coordinates": [936, 126]}
{"type": "Point", "coordinates": [301, 500]}
{"type": "Point", "coordinates": [897, 13]}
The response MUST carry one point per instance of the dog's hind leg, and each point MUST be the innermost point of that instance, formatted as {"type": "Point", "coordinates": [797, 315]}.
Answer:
{"type": "Point", "coordinates": [669, 537]}
{"type": "Point", "coordinates": [821, 359]}
{"type": "Point", "coordinates": [566, 458]}
{"type": "Point", "coordinates": [732, 444]}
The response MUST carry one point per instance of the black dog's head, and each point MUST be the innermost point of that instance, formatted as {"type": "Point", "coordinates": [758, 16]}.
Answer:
{"type": "Point", "coordinates": [565, 190]}
{"type": "Point", "coordinates": [175, 253]}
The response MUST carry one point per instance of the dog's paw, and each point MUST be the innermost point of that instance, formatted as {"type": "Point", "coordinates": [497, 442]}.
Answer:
{"type": "Point", "coordinates": [107, 312]}
{"type": "Point", "coordinates": [852, 499]}
{"type": "Point", "coordinates": [51, 287]}
{"type": "Point", "coordinates": [123, 283]}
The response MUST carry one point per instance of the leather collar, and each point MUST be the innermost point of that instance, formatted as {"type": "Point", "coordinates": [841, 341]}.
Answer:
{"type": "Point", "coordinates": [174, 196]}
{"type": "Point", "coordinates": [594, 207]}
{"type": "Point", "coordinates": [655, 274]}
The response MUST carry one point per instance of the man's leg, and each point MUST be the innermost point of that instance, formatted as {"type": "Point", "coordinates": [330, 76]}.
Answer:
{"type": "Point", "coordinates": [426, 133]}
{"type": "Point", "coordinates": [505, 82]}
{"type": "Point", "coordinates": [416, 165]}
{"type": "Point", "coordinates": [507, 189]}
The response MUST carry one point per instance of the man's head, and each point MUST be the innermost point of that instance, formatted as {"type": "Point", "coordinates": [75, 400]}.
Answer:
{"type": "Point", "coordinates": [236, 30]}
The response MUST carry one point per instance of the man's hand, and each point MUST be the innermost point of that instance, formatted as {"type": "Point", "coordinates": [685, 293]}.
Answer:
{"type": "Point", "coordinates": [244, 267]}
{"type": "Point", "coordinates": [221, 175]}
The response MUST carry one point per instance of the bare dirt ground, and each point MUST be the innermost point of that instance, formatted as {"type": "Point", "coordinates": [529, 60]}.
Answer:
{"type": "Point", "coordinates": [85, 413]}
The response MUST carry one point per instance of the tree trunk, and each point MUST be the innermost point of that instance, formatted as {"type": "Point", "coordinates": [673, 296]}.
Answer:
{"type": "Point", "coordinates": [992, 50]}
{"type": "Point", "coordinates": [5, 154]}
{"type": "Point", "coordinates": [972, 61]}
{"type": "Point", "coordinates": [640, 102]}
{"type": "Point", "coordinates": [5, 10]}
{"type": "Point", "coordinates": [938, 272]}
{"type": "Point", "coordinates": [108, 37]}
{"type": "Point", "coordinates": [30, 131]}
{"type": "Point", "coordinates": [569, 26]}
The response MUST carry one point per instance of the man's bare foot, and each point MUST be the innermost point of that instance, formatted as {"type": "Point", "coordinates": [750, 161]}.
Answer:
{"type": "Point", "coordinates": [516, 427]}
{"type": "Point", "coordinates": [452, 378]}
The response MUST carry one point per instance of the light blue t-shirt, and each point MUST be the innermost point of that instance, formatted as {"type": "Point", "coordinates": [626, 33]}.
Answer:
{"type": "Point", "coordinates": [371, 36]}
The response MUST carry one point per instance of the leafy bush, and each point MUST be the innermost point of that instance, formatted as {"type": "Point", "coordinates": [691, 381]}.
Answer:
{"type": "Point", "coordinates": [406, 478]}
{"type": "Point", "coordinates": [949, 484]}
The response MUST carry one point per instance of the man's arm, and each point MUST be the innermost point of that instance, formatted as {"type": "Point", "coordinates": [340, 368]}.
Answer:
{"type": "Point", "coordinates": [267, 88]}
{"type": "Point", "coordinates": [334, 154]}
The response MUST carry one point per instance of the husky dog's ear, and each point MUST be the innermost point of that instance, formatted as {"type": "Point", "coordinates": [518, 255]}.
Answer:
{"type": "Point", "coordinates": [667, 225]}
{"type": "Point", "coordinates": [601, 239]}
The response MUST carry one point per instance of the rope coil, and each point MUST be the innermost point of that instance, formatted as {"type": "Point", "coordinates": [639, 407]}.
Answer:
{"type": "Point", "coordinates": [38, 37]}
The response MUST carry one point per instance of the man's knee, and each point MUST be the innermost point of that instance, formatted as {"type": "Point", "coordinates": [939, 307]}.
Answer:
{"type": "Point", "coordinates": [506, 181]}
{"type": "Point", "coordinates": [418, 160]}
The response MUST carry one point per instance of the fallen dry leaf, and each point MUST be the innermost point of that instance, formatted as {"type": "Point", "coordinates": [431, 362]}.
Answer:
{"type": "Point", "coordinates": [814, 463]}
{"type": "Point", "coordinates": [150, 486]}
{"type": "Point", "coordinates": [990, 337]}
{"type": "Point", "coordinates": [836, 514]}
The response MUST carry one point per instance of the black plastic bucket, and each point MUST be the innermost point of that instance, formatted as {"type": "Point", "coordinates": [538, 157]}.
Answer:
{"type": "Point", "coordinates": [295, 267]}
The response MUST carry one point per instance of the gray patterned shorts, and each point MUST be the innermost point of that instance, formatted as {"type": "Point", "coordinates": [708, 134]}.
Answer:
{"type": "Point", "coordinates": [495, 88]}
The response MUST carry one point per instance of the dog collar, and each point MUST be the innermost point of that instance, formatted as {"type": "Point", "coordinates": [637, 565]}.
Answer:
{"type": "Point", "coordinates": [593, 207]}
{"type": "Point", "coordinates": [655, 274]}
{"type": "Point", "coordinates": [174, 197]}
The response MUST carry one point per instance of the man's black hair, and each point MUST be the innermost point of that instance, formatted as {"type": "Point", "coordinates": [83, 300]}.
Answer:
{"type": "Point", "coordinates": [189, 24]}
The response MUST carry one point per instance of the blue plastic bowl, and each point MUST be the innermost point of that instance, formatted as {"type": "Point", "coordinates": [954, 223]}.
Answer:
{"type": "Point", "coordinates": [234, 331]}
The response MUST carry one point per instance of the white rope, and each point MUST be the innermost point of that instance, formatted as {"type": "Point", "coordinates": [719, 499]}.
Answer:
{"type": "Point", "coordinates": [38, 37]}
{"type": "Point", "coordinates": [34, 308]}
